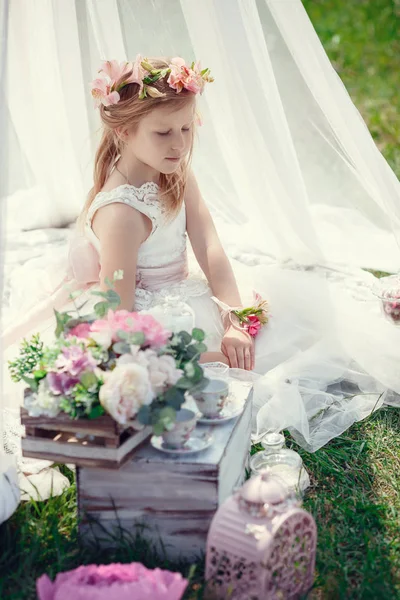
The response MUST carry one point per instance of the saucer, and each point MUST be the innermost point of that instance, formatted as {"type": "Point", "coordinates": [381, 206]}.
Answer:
{"type": "Point", "coordinates": [196, 443]}
{"type": "Point", "coordinates": [230, 411]}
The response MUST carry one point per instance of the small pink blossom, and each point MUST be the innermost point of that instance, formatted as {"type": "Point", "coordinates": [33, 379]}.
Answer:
{"type": "Point", "coordinates": [115, 70]}
{"type": "Point", "coordinates": [182, 76]}
{"type": "Point", "coordinates": [112, 582]}
{"type": "Point", "coordinates": [102, 93]}
{"type": "Point", "coordinates": [254, 325]}
{"type": "Point", "coordinates": [82, 331]}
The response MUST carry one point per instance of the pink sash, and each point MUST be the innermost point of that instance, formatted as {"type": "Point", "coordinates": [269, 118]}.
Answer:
{"type": "Point", "coordinates": [80, 271]}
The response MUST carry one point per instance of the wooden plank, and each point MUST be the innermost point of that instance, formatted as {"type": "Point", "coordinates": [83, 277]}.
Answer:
{"type": "Point", "coordinates": [77, 452]}
{"type": "Point", "coordinates": [103, 426]}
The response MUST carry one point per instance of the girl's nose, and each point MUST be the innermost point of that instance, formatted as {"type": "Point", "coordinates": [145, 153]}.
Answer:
{"type": "Point", "coordinates": [178, 143]}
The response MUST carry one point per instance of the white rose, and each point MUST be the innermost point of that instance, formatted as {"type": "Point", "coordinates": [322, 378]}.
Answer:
{"type": "Point", "coordinates": [43, 402]}
{"type": "Point", "coordinates": [162, 372]}
{"type": "Point", "coordinates": [125, 390]}
{"type": "Point", "coordinates": [102, 338]}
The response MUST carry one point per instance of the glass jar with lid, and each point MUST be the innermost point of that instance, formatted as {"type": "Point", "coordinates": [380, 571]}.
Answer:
{"type": "Point", "coordinates": [282, 462]}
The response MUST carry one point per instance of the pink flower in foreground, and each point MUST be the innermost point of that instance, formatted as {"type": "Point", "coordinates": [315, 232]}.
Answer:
{"type": "Point", "coordinates": [254, 325]}
{"type": "Point", "coordinates": [112, 582]}
{"type": "Point", "coordinates": [131, 322]}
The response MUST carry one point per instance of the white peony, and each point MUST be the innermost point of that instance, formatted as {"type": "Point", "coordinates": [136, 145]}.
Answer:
{"type": "Point", "coordinates": [137, 356]}
{"type": "Point", "coordinates": [125, 390]}
{"type": "Point", "coordinates": [42, 402]}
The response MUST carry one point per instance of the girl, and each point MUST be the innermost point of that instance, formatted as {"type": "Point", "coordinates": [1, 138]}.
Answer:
{"type": "Point", "coordinates": [145, 201]}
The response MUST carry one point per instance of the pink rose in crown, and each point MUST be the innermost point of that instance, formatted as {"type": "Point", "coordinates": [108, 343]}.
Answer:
{"type": "Point", "coordinates": [112, 582]}
{"type": "Point", "coordinates": [129, 322]}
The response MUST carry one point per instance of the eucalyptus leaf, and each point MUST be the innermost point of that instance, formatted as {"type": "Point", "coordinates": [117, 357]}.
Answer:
{"type": "Point", "coordinates": [158, 428]}
{"type": "Point", "coordinates": [174, 397]}
{"type": "Point", "coordinates": [137, 339]}
{"type": "Point", "coordinates": [198, 335]}
{"type": "Point", "coordinates": [144, 415]}
{"type": "Point", "coordinates": [121, 348]}
{"type": "Point", "coordinates": [184, 383]}
{"type": "Point", "coordinates": [101, 309]}
{"type": "Point", "coordinates": [185, 337]}
{"type": "Point", "coordinates": [112, 297]}
{"type": "Point", "coordinates": [200, 348]}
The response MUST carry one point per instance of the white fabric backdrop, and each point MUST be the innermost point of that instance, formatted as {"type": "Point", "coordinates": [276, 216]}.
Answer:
{"type": "Point", "coordinates": [282, 144]}
{"type": "Point", "coordinates": [284, 160]}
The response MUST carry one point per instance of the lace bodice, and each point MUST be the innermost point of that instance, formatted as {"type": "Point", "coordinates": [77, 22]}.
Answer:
{"type": "Point", "coordinates": [167, 241]}
{"type": "Point", "coordinates": [162, 270]}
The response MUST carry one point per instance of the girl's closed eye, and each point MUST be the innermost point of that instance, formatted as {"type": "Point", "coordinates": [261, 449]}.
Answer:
{"type": "Point", "coordinates": [168, 132]}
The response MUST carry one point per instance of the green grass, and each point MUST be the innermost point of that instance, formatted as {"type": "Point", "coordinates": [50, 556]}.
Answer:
{"type": "Point", "coordinates": [362, 40]}
{"type": "Point", "coordinates": [355, 492]}
{"type": "Point", "coordinates": [354, 497]}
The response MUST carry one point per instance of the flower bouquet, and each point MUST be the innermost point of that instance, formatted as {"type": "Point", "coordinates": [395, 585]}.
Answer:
{"type": "Point", "coordinates": [110, 378]}
{"type": "Point", "coordinates": [112, 582]}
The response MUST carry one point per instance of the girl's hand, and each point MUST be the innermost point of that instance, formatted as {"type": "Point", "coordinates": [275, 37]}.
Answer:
{"type": "Point", "coordinates": [238, 347]}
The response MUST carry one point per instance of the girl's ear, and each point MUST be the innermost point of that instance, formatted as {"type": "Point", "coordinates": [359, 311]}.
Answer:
{"type": "Point", "coordinates": [122, 134]}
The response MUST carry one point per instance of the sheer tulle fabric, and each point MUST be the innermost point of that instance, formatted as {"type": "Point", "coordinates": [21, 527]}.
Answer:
{"type": "Point", "coordinates": [301, 196]}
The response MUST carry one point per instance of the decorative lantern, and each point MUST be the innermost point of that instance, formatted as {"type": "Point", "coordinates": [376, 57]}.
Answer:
{"type": "Point", "coordinates": [261, 544]}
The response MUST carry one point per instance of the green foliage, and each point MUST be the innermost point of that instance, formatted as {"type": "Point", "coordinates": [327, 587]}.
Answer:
{"type": "Point", "coordinates": [186, 349]}
{"type": "Point", "coordinates": [30, 356]}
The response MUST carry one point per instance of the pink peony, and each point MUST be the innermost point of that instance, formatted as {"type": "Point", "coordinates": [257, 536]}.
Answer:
{"type": "Point", "coordinates": [254, 325]}
{"type": "Point", "coordinates": [82, 330]}
{"type": "Point", "coordinates": [131, 322]}
{"type": "Point", "coordinates": [112, 582]}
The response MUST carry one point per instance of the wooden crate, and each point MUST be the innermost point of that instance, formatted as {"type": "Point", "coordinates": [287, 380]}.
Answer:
{"type": "Point", "coordinates": [174, 498]}
{"type": "Point", "coordinates": [99, 442]}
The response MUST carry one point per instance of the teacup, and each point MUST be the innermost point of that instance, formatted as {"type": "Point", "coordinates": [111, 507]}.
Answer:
{"type": "Point", "coordinates": [211, 400]}
{"type": "Point", "coordinates": [178, 436]}
{"type": "Point", "coordinates": [216, 370]}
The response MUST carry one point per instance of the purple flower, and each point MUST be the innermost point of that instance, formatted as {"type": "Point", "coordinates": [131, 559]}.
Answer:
{"type": "Point", "coordinates": [75, 360]}
{"type": "Point", "coordinates": [61, 383]}
{"type": "Point", "coordinates": [112, 582]}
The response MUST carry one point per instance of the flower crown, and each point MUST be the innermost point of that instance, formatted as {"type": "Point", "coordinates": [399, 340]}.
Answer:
{"type": "Point", "coordinates": [114, 76]}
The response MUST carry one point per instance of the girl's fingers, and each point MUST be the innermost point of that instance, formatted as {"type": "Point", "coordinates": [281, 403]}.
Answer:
{"type": "Point", "coordinates": [240, 357]}
{"type": "Point", "coordinates": [248, 359]}
{"type": "Point", "coordinates": [232, 357]}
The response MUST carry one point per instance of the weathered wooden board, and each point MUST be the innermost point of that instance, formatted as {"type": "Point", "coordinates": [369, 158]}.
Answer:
{"type": "Point", "coordinates": [99, 442]}
{"type": "Point", "coordinates": [174, 497]}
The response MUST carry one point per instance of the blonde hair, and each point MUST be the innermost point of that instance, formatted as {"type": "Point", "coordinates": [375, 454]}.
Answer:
{"type": "Point", "coordinates": [127, 113]}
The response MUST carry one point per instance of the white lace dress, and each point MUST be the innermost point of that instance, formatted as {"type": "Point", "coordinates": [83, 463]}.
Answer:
{"type": "Point", "coordinates": [164, 282]}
